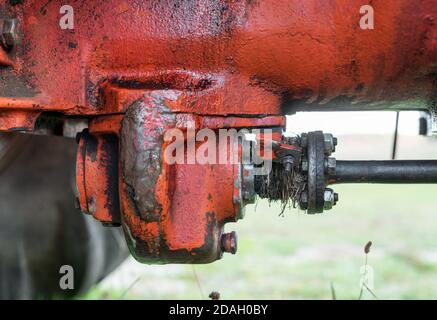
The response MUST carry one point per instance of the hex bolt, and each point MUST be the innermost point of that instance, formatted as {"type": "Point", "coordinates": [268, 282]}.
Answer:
{"type": "Point", "coordinates": [9, 33]}
{"type": "Point", "coordinates": [229, 242]}
{"type": "Point", "coordinates": [330, 143]}
{"type": "Point", "coordinates": [330, 165]}
{"type": "Point", "coordinates": [288, 162]}
{"type": "Point", "coordinates": [328, 199]}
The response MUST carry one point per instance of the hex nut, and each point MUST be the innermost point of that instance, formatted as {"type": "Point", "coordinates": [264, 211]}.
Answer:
{"type": "Point", "coordinates": [229, 242]}
{"type": "Point", "coordinates": [288, 163]}
{"type": "Point", "coordinates": [331, 164]}
{"type": "Point", "coordinates": [330, 143]}
{"type": "Point", "coordinates": [328, 199]}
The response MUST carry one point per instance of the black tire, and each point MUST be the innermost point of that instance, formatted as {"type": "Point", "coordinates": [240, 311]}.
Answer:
{"type": "Point", "coordinates": [40, 229]}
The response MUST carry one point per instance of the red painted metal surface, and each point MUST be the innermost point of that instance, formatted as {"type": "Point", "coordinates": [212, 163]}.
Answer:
{"type": "Point", "coordinates": [255, 56]}
{"type": "Point", "coordinates": [217, 64]}
{"type": "Point", "coordinates": [97, 176]}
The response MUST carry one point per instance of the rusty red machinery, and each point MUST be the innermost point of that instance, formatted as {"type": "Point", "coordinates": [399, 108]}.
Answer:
{"type": "Point", "coordinates": [129, 71]}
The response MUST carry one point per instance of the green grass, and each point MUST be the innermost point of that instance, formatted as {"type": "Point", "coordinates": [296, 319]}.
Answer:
{"type": "Point", "coordinates": [298, 256]}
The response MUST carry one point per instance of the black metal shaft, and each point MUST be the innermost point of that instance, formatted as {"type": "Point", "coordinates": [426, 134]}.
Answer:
{"type": "Point", "coordinates": [390, 171]}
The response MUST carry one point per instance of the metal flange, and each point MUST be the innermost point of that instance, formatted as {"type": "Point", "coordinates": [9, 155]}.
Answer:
{"type": "Point", "coordinates": [316, 171]}
{"type": "Point", "coordinates": [317, 166]}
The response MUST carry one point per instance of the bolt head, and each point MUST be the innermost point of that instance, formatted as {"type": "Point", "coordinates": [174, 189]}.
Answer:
{"type": "Point", "coordinates": [330, 143]}
{"type": "Point", "coordinates": [331, 164]}
{"type": "Point", "coordinates": [229, 242]}
{"type": "Point", "coordinates": [329, 199]}
{"type": "Point", "coordinates": [288, 163]}
{"type": "Point", "coordinates": [9, 33]}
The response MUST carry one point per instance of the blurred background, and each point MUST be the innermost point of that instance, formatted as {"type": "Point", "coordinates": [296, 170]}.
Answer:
{"type": "Point", "coordinates": [296, 256]}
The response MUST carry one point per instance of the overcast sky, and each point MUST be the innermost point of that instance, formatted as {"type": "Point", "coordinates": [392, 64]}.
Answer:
{"type": "Point", "coordinates": [357, 122]}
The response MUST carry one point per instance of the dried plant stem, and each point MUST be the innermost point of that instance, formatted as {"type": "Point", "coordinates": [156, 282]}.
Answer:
{"type": "Point", "coordinates": [198, 282]}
